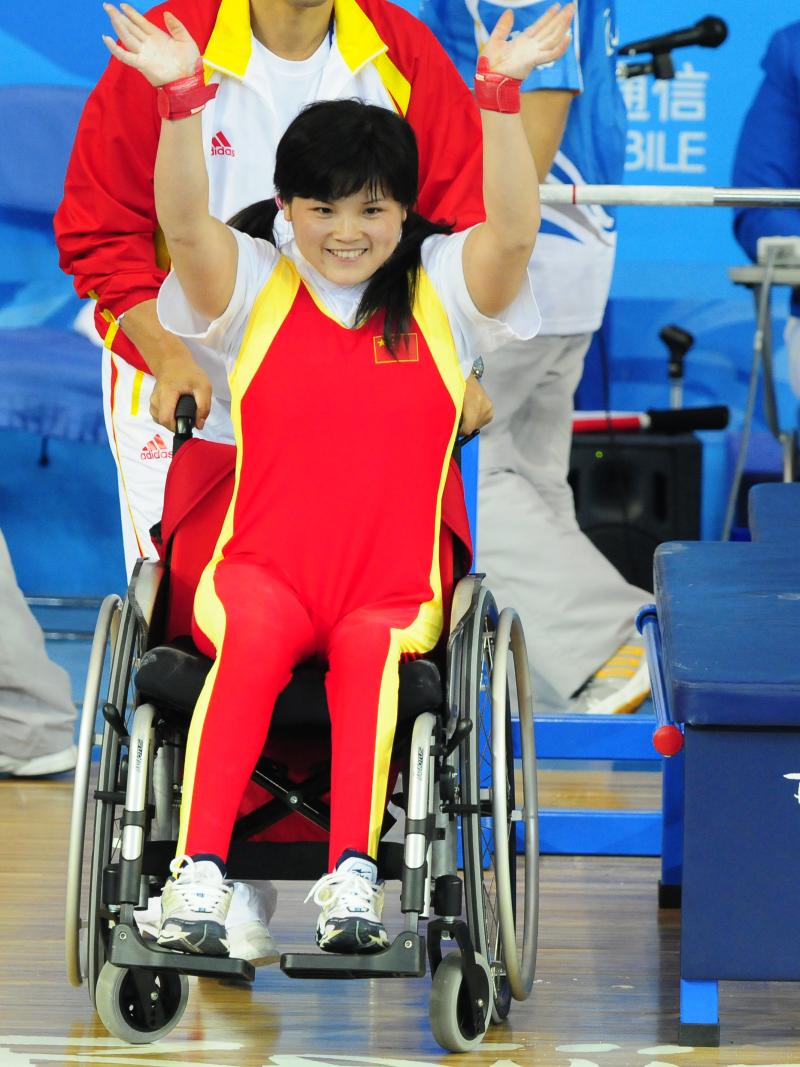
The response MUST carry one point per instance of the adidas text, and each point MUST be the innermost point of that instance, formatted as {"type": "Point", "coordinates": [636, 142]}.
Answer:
{"type": "Point", "coordinates": [221, 146]}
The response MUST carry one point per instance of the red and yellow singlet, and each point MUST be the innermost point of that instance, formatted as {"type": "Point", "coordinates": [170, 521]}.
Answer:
{"type": "Point", "coordinates": [329, 547]}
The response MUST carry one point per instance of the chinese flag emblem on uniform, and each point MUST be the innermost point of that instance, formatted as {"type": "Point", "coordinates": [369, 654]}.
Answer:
{"type": "Point", "coordinates": [407, 350]}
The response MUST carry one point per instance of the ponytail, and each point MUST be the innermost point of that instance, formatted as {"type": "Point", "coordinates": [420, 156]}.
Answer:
{"type": "Point", "coordinates": [257, 220]}
{"type": "Point", "coordinates": [392, 289]}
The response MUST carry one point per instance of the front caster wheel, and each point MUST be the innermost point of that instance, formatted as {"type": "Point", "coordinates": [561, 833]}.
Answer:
{"type": "Point", "coordinates": [140, 1006]}
{"type": "Point", "coordinates": [450, 1010]}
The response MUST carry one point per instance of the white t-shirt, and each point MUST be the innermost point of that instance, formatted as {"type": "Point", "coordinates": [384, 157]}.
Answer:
{"type": "Point", "coordinates": [299, 80]}
{"type": "Point", "coordinates": [243, 124]}
{"type": "Point", "coordinates": [473, 332]}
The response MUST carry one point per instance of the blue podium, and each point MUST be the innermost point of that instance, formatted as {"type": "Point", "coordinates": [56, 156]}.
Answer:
{"type": "Point", "coordinates": [729, 615]}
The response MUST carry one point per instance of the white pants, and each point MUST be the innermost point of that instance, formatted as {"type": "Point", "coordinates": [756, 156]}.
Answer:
{"type": "Point", "coordinates": [576, 608]}
{"type": "Point", "coordinates": [37, 716]}
{"type": "Point", "coordinates": [142, 450]}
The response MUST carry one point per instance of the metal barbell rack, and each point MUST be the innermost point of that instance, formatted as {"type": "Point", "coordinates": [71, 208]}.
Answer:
{"type": "Point", "coordinates": [666, 196]}
{"type": "Point", "coordinates": [759, 279]}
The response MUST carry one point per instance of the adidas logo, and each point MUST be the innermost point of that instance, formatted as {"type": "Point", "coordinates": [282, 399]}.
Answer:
{"type": "Point", "coordinates": [221, 146]}
{"type": "Point", "coordinates": [156, 448]}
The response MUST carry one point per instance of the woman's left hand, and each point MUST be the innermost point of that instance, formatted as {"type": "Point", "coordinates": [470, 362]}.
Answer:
{"type": "Point", "coordinates": [477, 410]}
{"type": "Point", "coordinates": [543, 42]}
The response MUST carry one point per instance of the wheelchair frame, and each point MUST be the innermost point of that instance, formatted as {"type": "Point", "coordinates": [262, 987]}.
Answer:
{"type": "Point", "coordinates": [461, 776]}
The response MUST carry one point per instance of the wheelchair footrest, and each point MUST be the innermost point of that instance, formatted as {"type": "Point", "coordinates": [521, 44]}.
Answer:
{"type": "Point", "coordinates": [404, 958]}
{"type": "Point", "coordinates": [127, 949]}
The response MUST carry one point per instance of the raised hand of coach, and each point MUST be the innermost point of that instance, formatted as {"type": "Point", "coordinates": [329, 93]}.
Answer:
{"type": "Point", "coordinates": [161, 57]}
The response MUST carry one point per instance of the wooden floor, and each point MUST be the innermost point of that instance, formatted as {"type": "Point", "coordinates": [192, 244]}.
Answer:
{"type": "Point", "coordinates": [605, 994]}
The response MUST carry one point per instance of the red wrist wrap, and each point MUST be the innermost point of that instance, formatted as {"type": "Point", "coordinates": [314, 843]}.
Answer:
{"type": "Point", "coordinates": [185, 96]}
{"type": "Point", "coordinates": [496, 92]}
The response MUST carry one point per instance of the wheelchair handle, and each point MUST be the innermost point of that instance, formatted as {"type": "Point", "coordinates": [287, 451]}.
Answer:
{"type": "Point", "coordinates": [668, 736]}
{"type": "Point", "coordinates": [185, 413]}
{"type": "Point", "coordinates": [465, 438]}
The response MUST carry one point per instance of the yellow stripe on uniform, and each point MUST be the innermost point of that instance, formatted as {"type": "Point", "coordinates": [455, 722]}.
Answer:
{"type": "Point", "coordinates": [230, 43]}
{"type": "Point", "coordinates": [425, 630]}
{"type": "Point", "coordinates": [356, 36]}
{"type": "Point", "coordinates": [136, 391]}
{"type": "Point", "coordinates": [396, 83]}
{"type": "Point", "coordinates": [269, 311]}
{"type": "Point", "coordinates": [435, 326]}
{"type": "Point", "coordinates": [113, 325]}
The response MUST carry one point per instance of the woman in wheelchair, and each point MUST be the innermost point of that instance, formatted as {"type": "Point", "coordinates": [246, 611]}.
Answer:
{"type": "Point", "coordinates": [347, 352]}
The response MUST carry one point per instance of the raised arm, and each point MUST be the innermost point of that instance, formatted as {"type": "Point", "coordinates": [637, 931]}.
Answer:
{"type": "Point", "coordinates": [496, 253]}
{"type": "Point", "coordinates": [202, 249]}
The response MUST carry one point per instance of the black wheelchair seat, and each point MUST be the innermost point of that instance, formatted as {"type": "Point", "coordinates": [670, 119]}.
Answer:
{"type": "Point", "coordinates": [172, 677]}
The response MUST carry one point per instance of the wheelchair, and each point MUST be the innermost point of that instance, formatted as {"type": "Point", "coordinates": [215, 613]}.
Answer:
{"type": "Point", "coordinates": [468, 805]}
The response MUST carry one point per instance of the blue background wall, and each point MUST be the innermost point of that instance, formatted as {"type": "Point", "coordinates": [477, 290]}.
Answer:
{"type": "Point", "coordinates": [672, 264]}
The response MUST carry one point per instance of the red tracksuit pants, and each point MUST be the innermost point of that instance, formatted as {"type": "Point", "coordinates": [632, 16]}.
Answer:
{"type": "Point", "coordinates": [268, 632]}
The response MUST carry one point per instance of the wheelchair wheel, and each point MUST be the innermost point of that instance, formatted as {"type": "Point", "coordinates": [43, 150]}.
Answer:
{"type": "Point", "coordinates": [449, 1009]}
{"type": "Point", "coordinates": [519, 971]}
{"type": "Point", "coordinates": [110, 795]}
{"type": "Point", "coordinates": [75, 931]}
{"type": "Point", "coordinates": [140, 1006]}
{"type": "Point", "coordinates": [488, 798]}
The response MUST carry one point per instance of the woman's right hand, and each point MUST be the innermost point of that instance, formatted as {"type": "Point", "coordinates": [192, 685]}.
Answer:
{"type": "Point", "coordinates": [161, 57]}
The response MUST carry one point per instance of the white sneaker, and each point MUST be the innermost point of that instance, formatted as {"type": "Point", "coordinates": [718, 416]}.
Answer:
{"type": "Point", "coordinates": [194, 905]}
{"type": "Point", "coordinates": [620, 685]}
{"type": "Point", "coordinates": [148, 919]}
{"type": "Point", "coordinates": [40, 766]}
{"type": "Point", "coordinates": [351, 899]}
{"type": "Point", "coordinates": [248, 933]}
{"type": "Point", "coordinates": [246, 923]}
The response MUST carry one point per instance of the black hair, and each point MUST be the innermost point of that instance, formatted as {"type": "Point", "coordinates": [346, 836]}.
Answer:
{"type": "Point", "coordinates": [334, 149]}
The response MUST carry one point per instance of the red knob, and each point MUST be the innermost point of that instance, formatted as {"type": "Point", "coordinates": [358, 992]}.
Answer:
{"type": "Point", "coordinates": [668, 740]}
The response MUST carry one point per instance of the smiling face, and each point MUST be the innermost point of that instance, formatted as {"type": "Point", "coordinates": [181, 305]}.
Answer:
{"type": "Point", "coordinates": [347, 239]}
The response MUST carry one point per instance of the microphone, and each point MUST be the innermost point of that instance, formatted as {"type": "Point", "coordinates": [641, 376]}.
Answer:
{"type": "Point", "coordinates": [684, 420]}
{"type": "Point", "coordinates": [655, 420]}
{"type": "Point", "coordinates": [709, 32]}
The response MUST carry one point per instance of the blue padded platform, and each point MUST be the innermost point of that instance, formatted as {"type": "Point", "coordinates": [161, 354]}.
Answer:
{"type": "Point", "coordinates": [730, 619]}
{"type": "Point", "coordinates": [774, 512]}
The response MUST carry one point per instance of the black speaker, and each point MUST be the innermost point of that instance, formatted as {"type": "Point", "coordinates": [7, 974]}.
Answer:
{"type": "Point", "coordinates": [633, 491]}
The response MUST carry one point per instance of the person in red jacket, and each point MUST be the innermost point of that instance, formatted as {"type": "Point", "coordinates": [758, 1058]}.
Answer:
{"type": "Point", "coordinates": [268, 58]}
{"type": "Point", "coordinates": [347, 350]}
